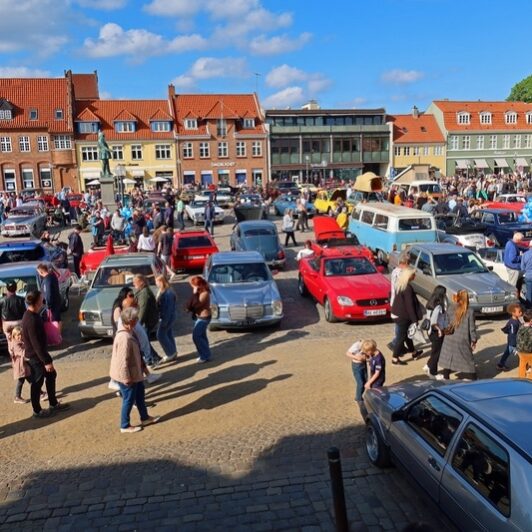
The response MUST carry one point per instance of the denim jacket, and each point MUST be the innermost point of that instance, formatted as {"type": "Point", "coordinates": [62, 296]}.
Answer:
{"type": "Point", "coordinates": [167, 303]}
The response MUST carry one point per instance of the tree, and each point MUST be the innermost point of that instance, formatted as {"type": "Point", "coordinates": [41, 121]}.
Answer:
{"type": "Point", "coordinates": [522, 91]}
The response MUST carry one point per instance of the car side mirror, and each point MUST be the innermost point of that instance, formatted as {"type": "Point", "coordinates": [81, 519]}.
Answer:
{"type": "Point", "coordinates": [398, 415]}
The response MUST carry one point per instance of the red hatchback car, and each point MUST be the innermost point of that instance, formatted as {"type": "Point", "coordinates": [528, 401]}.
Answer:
{"type": "Point", "coordinates": [346, 283]}
{"type": "Point", "coordinates": [191, 249]}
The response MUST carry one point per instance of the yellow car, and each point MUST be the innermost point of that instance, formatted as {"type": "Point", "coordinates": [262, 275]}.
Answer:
{"type": "Point", "coordinates": [325, 201]}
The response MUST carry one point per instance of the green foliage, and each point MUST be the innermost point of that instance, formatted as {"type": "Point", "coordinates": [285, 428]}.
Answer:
{"type": "Point", "coordinates": [522, 91]}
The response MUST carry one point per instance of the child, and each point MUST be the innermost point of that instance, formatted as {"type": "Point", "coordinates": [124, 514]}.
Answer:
{"type": "Point", "coordinates": [377, 367]}
{"type": "Point", "coordinates": [358, 365]}
{"type": "Point", "coordinates": [20, 368]}
{"type": "Point", "coordinates": [524, 335]}
{"type": "Point", "coordinates": [510, 329]}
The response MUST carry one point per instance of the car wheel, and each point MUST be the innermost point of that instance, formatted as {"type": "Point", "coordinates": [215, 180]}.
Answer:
{"type": "Point", "coordinates": [66, 301]}
{"type": "Point", "coordinates": [303, 292]}
{"type": "Point", "coordinates": [493, 238]}
{"type": "Point", "coordinates": [329, 314]}
{"type": "Point", "coordinates": [376, 449]}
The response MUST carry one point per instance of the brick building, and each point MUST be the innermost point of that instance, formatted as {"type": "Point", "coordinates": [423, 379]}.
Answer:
{"type": "Point", "coordinates": [221, 138]}
{"type": "Point", "coordinates": [37, 128]}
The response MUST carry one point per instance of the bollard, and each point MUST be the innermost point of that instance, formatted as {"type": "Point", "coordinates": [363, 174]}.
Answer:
{"type": "Point", "coordinates": [337, 487]}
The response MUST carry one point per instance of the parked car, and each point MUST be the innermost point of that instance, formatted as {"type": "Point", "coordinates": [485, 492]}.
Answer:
{"type": "Point", "coordinates": [195, 212]}
{"type": "Point", "coordinates": [261, 236]}
{"type": "Point", "coordinates": [287, 201]}
{"type": "Point", "coordinates": [467, 232]}
{"type": "Point", "coordinates": [501, 224]}
{"type": "Point", "coordinates": [28, 219]}
{"type": "Point", "coordinates": [115, 272]}
{"type": "Point", "coordinates": [191, 249]}
{"type": "Point", "coordinates": [493, 258]}
{"type": "Point", "coordinates": [346, 283]}
{"type": "Point", "coordinates": [187, 195]}
{"type": "Point", "coordinates": [223, 196]}
{"type": "Point", "coordinates": [23, 251]}
{"type": "Point", "coordinates": [325, 202]}
{"type": "Point", "coordinates": [457, 269]}
{"type": "Point", "coordinates": [513, 202]}
{"type": "Point", "coordinates": [466, 445]}
{"type": "Point", "coordinates": [243, 291]}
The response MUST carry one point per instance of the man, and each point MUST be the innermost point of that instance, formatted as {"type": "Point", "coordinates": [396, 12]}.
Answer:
{"type": "Point", "coordinates": [12, 308]}
{"type": "Point", "coordinates": [429, 206]}
{"type": "Point", "coordinates": [50, 292]}
{"type": "Point", "coordinates": [307, 251]}
{"type": "Point", "coordinates": [157, 218]}
{"type": "Point", "coordinates": [75, 246]}
{"type": "Point", "coordinates": [39, 360]}
{"type": "Point", "coordinates": [460, 209]}
{"type": "Point", "coordinates": [180, 213]}
{"type": "Point", "coordinates": [169, 215]}
{"type": "Point", "coordinates": [118, 225]}
{"type": "Point", "coordinates": [164, 246]}
{"type": "Point", "coordinates": [512, 259]}
{"type": "Point", "coordinates": [208, 215]}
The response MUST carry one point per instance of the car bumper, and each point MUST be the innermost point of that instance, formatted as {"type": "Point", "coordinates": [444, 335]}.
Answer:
{"type": "Point", "coordinates": [356, 313]}
{"type": "Point", "coordinates": [189, 264]}
{"type": "Point", "coordinates": [228, 323]}
{"type": "Point", "coordinates": [277, 263]}
{"type": "Point", "coordinates": [491, 309]}
{"type": "Point", "coordinates": [95, 330]}
{"type": "Point", "coordinates": [15, 232]}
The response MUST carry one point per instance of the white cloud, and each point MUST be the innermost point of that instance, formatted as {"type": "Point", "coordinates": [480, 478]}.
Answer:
{"type": "Point", "coordinates": [318, 83]}
{"type": "Point", "coordinates": [286, 75]}
{"type": "Point", "coordinates": [401, 77]}
{"type": "Point", "coordinates": [279, 44]}
{"type": "Point", "coordinates": [358, 101]}
{"type": "Point", "coordinates": [289, 97]}
{"type": "Point", "coordinates": [23, 72]}
{"type": "Point", "coordinates": [211, 67]}
{"type": "Point", "coordinates": [107, 5]}
{"type": "Point", "coordinates": [173, 8]}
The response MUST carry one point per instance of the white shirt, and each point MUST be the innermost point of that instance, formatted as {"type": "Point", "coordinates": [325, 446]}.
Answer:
{"type": "Point", "coordinates": [146, 243]}
{"type": "Point", "coordinates": [302, 253]}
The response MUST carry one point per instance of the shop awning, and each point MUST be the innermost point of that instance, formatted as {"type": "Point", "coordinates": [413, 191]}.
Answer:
{"type": "Point", "coordinates": [481, 163]}
{"type": "Point", "coordinates": [90, 173]}
{"type": "Point", "coordinates": [463, 163]}
{"type": "Point", "coordinates": [137, 172]}
{"type": "Point", "coordinates": [521, 161]}
{"type": "Point", "coordinates": [501, 163]}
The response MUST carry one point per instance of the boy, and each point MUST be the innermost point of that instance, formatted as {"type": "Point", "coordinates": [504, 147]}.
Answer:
{"type": "Point", "coordinates": [377, 366]}
{"type": "Point", "coordinates": [356, 353]}
{"type": "Point", "coordinates": [510, 329]}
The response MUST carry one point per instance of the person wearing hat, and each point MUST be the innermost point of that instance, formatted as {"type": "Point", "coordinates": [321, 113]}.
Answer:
{"type": "Point", "coordinates": [12, 308]}
{"type": "Point", "coordinates": [75, 247]}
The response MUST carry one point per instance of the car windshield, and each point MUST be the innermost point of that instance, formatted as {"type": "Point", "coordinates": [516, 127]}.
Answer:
{"type": "Point", "coordinates": [198, 203]}
{"type": "Point", "coordinates": [20, 211]}
{"type": "Point", "coordinates": [456, 263]}
{"type": "Point", "coordinates": [194, 242]}
{"type": "Point", "coordinates": [348, 266]}
{"type": "Point", "coordinates": [24, 284]}
{"type": "Point", "coordinates": [515, 199]}
{"type": "Point", "coordinates": [260, 231]}
{"type": "Point", "coordinates": [122, 275]}
{"type": "Point", "coordinates": [21, 255]}
{"type": "Point", "coordinates": [414, 224]}
{"type": "Point", "coordinates": [239, 273]}
{"type": "Point", "coordinates": [507, 218]}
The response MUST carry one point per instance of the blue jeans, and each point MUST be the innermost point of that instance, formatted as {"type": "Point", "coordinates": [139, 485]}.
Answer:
{"type": "Point", "coordinates": [131, 395]}
{"type": "Point", "coordinates": [199, 337]}
{"type": "Point", "coordinates": [209, 226]}
{"type": "Point", "coordinates": [181, 219]}
{"type": "Point", "coordinates": [360, 373]}
{"type": "Point", "coordinates": [528, 283]}
{"type": "Point", "coordinates": [510, 350]}
{"type": "Point", "coordinates": [165, 335]}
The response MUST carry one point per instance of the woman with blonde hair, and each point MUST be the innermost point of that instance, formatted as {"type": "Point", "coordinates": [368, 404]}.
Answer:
{"type": "Point", "coordinates": [166, 304]}
{"type": "Point", "coordinates": [460, 339]}
{"type": "Point", "coordinates": [408, 310]}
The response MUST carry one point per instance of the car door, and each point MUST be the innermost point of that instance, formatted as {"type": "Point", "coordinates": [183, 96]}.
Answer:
{"type": "Point", "coordinates": [425, 281]}
{"type": "Point", "coordinates": [421, 438]}
{"type": "Point", "coordinates": [311, 278]}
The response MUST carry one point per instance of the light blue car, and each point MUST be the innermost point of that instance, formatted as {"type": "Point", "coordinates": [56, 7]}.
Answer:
{"type": "Point", "coordinates": [288, 201]}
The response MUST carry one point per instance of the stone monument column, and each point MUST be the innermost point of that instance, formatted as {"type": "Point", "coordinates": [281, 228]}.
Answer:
{"type": "Point", "coordinates": [107, 185]}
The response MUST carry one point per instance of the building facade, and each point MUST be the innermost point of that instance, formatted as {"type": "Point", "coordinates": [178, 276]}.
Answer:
{"type": "Point", "coordinates": [485, 137]}
{"type": "Point", "coordinates": [315, 144]}
{"type": "Point", "coordinates": [221, 139]}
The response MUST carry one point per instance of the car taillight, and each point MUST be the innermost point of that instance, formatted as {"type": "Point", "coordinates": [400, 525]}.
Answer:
{"type": "Point", "coordinates": [280, 255]}
{"type": "Point", "coordinates": [490, 243]}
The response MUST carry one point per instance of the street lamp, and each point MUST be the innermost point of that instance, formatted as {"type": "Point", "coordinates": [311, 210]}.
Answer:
{"type": "Point", "coordinates": [307, 160]}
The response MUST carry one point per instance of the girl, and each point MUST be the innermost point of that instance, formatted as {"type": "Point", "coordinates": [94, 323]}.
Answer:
{"type": "Point", "coordinates": [146, 241]}
{"type": "Point", "coordinates": [200, 306]}
{"type": "Point", "coordinates": [437, 315]}
{"type": "Point", "coordinates": [166, 303]}
{"type": "Point", "coordinates": [20, 368]}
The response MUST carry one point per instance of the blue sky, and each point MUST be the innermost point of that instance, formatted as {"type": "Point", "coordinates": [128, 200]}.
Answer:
{"type": "Point", "coordinates": [344, 53]}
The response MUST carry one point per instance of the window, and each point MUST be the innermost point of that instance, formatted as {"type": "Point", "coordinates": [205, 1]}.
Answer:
{"type": "Point", "coordinates": [529, 117]}
{"type": "Point", "coordinates": [381, 221]}
{"type": "Point", "coordinates": [33, 114]}
{"type": "Point", "coordinates": [434, 421]}
{"type": "Point", "coordinates": [453, 142]}
{"type": "Point", "coordinates": [191, 123]}
{"type": "Point", "coordinates": [27, 178]}
{"type": "Point", "coordinates": [161, 126]}
{"type": "Point", "coordinates": [42, 143]}
{"type": "Point", "coordinates": [438, 150]}
{"type": "Point", "coordinates": [485, 118]}
{"type": "Point", "coordinates": [480, 142]}
{"type": "Point", "coordinates": [396, 151]}
{"type": "Point", "coordinates": [45, 177]}
{"type": "Point", "coordinates": [222, 149]}
{"type": "Point", "coordinates": [510, 118]}
{"type": "Point", "coordinates": [240, 149]}
{"type": "Point", "coordinates": [118, 152]}
{"type": "Point", "coordinates": [163, 151]}
{"type": "Point", "coordinates": [406, 150]}
{"type": "Point", "coordinates": [415, 150]}
{"type": "Point", "coordinates": [88, 127]}
{"type": "Point", "coordinates": [125, 127]}
{"type": "Point", "coordinates": [506, 142]}
{"type": "Point", "coordinates": [204, 150]}
{"type": "Point", "coordinates": [221, 127]}
{"type": "Point", "coordinates": [10, 181]}
{"type": "Point", "coordinates": [466, 142]}
{"type": "Point", "coordinates": [136, 152]}
{"type": "Point", "coordinates": [188, 152]}
{"type": "Point", "coordinates": [463, 118]}
{"type": "Point", "coordinates": [249, 123]}
{"type": "Point", "coordinates": [367, 217]}
{"type": "Point", "coordinates": [414, 224]}
{"type": "Point", "coordinates": [423, 264]}
{"type": "Point", "coordinates": [528, 141]}
{"type": "Point", "coordinates": [517, 141]}
{"type": "Point", "coordinates": [59, 114]}
{"type": "Point", "coordinates": [5, 144]}
{"type": "Point", "coordinates": [484, 464]}
{"type": "Point", "coordinates": [493, 142]}
{"type": "Point", "coordinates": [256, 148]}
{"type": "Point", "coordinates": [62, 142]}
{"type": "Point", "coordinates": [89, 153]}
{"type": "Point", "coordinates": [24, 144]}
{"type": "Point", "coordinates": [426, 150]}
{"type": "Point", "coordinates": [5, 114]}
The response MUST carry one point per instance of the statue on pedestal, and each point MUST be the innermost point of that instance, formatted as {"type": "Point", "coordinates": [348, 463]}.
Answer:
{"type": "Point", "coordinates": [104, 152]}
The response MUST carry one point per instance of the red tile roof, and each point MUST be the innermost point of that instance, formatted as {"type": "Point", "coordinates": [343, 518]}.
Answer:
{"type": "Point", "coordinates": [109, 110]}
{"type": "Point", "coordinates": [43, 94]}
{"type": "Point", "coordinates": [86, 86]}
{"type": "Point", "coordinates": [408, 129]}
{"type": "Point", "coordinates": [497, 110]}
{"type": "Point", "coordinates": [125, 116]}
{"type": "Point", "coordinates": [161, 115]}
{"type": "Point", "coordinates": [87, 116]}
{"type": "Point", "coordinates": [217, 106]}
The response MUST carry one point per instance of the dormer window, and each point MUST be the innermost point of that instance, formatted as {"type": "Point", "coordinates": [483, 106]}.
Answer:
{"type": "Point", "coordinates": [529, 117]}
{"type": "Point", "coordinates": [463, 118]}
{"type": "Point", "coordinates": [249, 123]}
{"type": "Point", "coordinates": [161, 126]}
{"type": "Point", "coordinates": [59, 114]}
{"type": "Point", "coordinates": [5, 114]}
{"type": "Point", "coordinates": [510, 117]}
{"type": "Point", "coordinates": [125, 127]}
{"type": "Point", "coordinates": [33, 114]}
{"type": "Point", "coordinates": [191, 123]}
{"type": "Point", "coordinates": [485, 118]}
{"type": "Point", "coordinates": [88, 127]}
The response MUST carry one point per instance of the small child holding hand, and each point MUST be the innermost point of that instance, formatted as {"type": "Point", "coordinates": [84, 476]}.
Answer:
{"type": "Point", "coordinates": [377, 366]}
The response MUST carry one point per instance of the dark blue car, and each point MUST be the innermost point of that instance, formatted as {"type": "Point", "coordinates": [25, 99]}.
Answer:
{"type": "Point", "coordinates": [23, 251]}
{"type": "Point", "coordinates": [501, 225]}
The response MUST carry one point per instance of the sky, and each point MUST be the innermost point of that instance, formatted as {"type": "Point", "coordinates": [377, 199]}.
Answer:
{"type": "Point", "coordinates": [343, 53]}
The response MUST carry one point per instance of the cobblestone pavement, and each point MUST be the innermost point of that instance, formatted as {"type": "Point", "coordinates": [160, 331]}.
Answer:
{"type": "Point", "coordinates": [242, 441]}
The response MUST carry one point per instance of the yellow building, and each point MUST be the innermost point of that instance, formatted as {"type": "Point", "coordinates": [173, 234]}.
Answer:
{"type": "Point", "coordinates": [140, 135]}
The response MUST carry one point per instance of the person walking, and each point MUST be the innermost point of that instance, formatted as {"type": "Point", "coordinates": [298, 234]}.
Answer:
{"type": "Point", "coordinates": [50, 292]}
{"type": "Point", "coordinates": [169, 215]}
{"type": "Point", "coordinates": [164, 247]}
{"type": "Point", "coordinates": [167, 305]}
{"type": "Point", "coordinates": [208, 215]}
{"type": "Point", "coordinates": [512, 259]}
{"type": "Point", "coordinates": [146, 241]}
{"type": "Point", "coordinates": [76, 249]}
{"type": "Point", "coordinates": [40, 362]}
{"type": "Point", "coordinates": [180, 210]}
{"type": "Point", "coordinates": [128, 371]}
{"type": "Point", "coordinates": [302, 215]}
{"type": "Point", "coordinates": [21, 370]}
{"type": "Point", "coordinates": [200, 307]}
{"type": "Point", "coordinates": [12, 309]}
{"type": "Point", "coordinates": [526, 269]}
{"type": "Point", "coordinates": [288, 227]}
{"type": "Point", "coordinates": [437, 316]}
{"type": "Point", "coordinates": [511, 329]}
{"type": "Point", "coordinates": [460, 339]}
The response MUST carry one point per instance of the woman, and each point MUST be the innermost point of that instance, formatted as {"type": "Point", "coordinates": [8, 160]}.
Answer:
{"type": "Point", "coordinates": [461, 340]}
{"type": "Point", "coordinates": [125, 292]}
{"type": "Point", "coordinates": [166, 303]}
{"type": "Point", "coordinates": [200, 306]}
{"type": "Point", "coordinates": [288, 227]}
{"type": "Point", "coordinates": [408, 310]}
{"type": "Point", "coordinates": [146, 241]}
{"type": "Point", "coordinates": [437, 315]}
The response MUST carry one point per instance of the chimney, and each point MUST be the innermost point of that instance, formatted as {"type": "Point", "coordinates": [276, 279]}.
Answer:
{"type": "Point", "coordinates": [415, 112]}
{"type": "Point", "coordinates": [312, 105]}
{"type": "Point", "coordinates": [171, 91]}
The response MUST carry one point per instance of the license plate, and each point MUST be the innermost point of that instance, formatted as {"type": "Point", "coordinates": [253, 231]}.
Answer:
{"type": "Point", "coordinates": [491, 310]}
{"type": "Point", "coordinates": [376, 312]}
{"type": "Point", "coordinates": [246, 323]}
{"type": "Point", "coordinates": [194, 257]}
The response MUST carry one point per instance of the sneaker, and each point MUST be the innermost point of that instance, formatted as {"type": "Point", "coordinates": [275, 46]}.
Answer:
{"type": "Point", "coordinates": [152, 377]}
{"type": "Point", "coordinates": [200, 360]}
{"type": "Point", "coordinates": [131, 429]}
{"type": "Point", "coordinates": [59, 406]}
{"type": "Point", "coordinates": [168, 359]}
{"type": "Point", "coordinates": [502, 368]}
{"type": "Point", "coordinates": [42, 414]}
{"type": "Point", "coordinates": [20, 401]}
{"type": "Point", "coordinates": [154, 364]}
{"type": "Point", "coordinates": [113, 385]}
{"type": "Point", "coordinates": [150, 421]}
{"type": "Point", "coordinates": [440, 377]}
{"type": "Point", "coordinates": [426, 370]}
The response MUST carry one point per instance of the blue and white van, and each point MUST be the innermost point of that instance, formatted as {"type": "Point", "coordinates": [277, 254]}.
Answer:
{"type": "Point", "coordinates": [384, 227]}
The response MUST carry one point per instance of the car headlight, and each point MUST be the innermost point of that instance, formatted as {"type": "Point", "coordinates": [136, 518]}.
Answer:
{"type": "Point", "coordinates": [85, 315]}
{"type": "Point", "coordinates": [215, 311]}
{"type": "Point", "coordinates": [277, 307]}
{"type": "Point", "coordinates": [509, 295]}
{"type": "Point", "coordinates": [472, 297]}
{"type": "Point", "coordinates": [345, 301]}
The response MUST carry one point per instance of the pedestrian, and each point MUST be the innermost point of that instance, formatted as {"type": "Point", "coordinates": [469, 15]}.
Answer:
{"type": "Point", "coordinates": [343, 219]}
{"type": "Point", "coordinates": [288, 227]}
{"type": "Point", "coordinates": [524, 335]}
{"type": "Point", "coordinates": [526, 270]}
{"type": "Point", "coordinates": [512, 259]}
{"type": "Point", "coordinates": [76, 249]}
{"type": "Point", "coordinates": [21, 370]}
{"type": "Point", "coordinates": [208, 216]}
{"type": "Point", "coordinates": [511, 329]}
{"type": "Point", "coordinates": [164, 247]}
{"type": "Point", "coordinates": [460, 339]}
{"type": "Point", "coordinates": [157, 218]}
{"type": "Point", "coordinates": [438, 322]}
{"type": "Point", "coordinates": [402, 263]}
{"type": "Point", "coordinates": [180, 209]}
{"type": "Point", "coordinates": [305, 252]}
{"type": "Point", "coordinates": [408, 310]}
{"type": "Point", "coordinates": [169, 215]}
{"type": "Point", "coordinates": [146, 242]}
{"type": "Point", "coordinates": [98, 229]}
{"type": "Point", "coordinates": [377, 366]}
{"type": "Point", "coordinates": [200, 307]}
{"type": "Point", "coordinates": [167, 305]}
{"type": "Point", "coordinates": [127, 369]}
{"type": "Point", "coordinates": [51, 293]}
{"type": "Point", "coordinates": [357, 354]}
{"type": "Point", "coordinates": [118, 225]}
{"type": "Point", "coordinates": [12, 309]}
{"type": "Point", "coordinates": [41, 365]}
{"type": "Point", "coordinates": [302, 215]}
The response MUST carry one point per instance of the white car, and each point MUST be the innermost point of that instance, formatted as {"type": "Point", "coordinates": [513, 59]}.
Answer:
{"type": "Point", "coordinates": [222, 194]}
{"type": "Point", "coordinates": [195, 212]}
{"type": "Point", "coordinates": [493, 259]}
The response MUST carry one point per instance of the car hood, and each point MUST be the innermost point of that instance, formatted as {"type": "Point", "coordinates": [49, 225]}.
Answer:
{"type": "Point", "coordinates": [267, 246]}
{"type": "Point", "coordinates": [479, 283]}
{"type": "Point", "coordinates": [361, 286]}
{"type": "Point", "coordinates": [245, 293]}
{"type": "Point", "coordinates": [517, 226]}
{"type": "Point", "coordinates": [100, 298]}
{"type": "Point", "coordinates": [18, 220]}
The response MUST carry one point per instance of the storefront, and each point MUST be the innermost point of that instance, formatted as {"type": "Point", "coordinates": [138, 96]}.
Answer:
{"type": "Point", "coordinates": [206, 178]}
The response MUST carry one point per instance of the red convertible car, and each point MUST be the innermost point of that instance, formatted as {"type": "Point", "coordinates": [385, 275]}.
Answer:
{"type": "Point", "coordinates": [191, 249]}
{"type": "Point", "coordinates": [513, 202]}
{"type": "Point", "coordinates": [346, 283]}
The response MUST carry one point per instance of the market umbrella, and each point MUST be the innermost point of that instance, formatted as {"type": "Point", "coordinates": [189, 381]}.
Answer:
{"type": "Point", "coordinates": [159, 179]}
{"type": "Point", "coordinates": [93, 183]}
{"type": "Point", "coordinates": [128, 181]}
